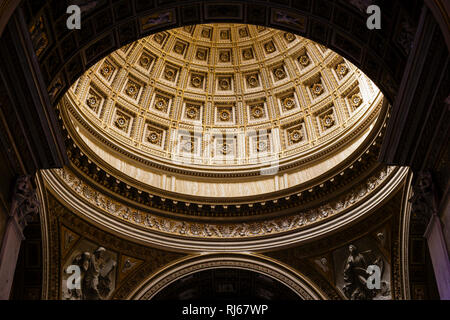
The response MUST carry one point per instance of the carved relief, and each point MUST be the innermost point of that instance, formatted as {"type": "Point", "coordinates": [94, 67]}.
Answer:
{"type": "Point", "coordinates": [224, 83]}
{"type": "Point", "coordinates": [146, 61]}
{"type": "Point", "coordinates": [304, 60]}
{"type": "Point", "coordinates": [170, 73]}
{"type": "Point", "coordinates": [154, 136]}
{"type": "Point", "coordinates": [243, 32]}
{"type": "Point", "coordinates": [252, 80]}
{"type": "Point", "coordinates": [224, 56]}
{"type": "Point", "coordinates": [288, 102]}
{"type": "Point", "coordinates": [269, 47]}
{"type": "Point", "coordinates": [225, 114]}
{"type": "Point", "coordinates": [94, 101]}
{"type": "Point", "coordinates": [107, 69]}
{"type": "Point", "coordinates": [266, 227]}
{"type": "Point", "coordinates": [161, 103]}
{"type": "Point", "coordinates": [247, 53]}
{"type": "Point", "coordinates": [192, 111]}
{"type": "Point", "coordinates": [352, 264]}
{"type": "Point", "coordinates": [257, 111]}
{"type": "Point", "coordinates": [202, 54]}
{"type": "Point", "coordinates": [122, 121]}
{"type": "Point", "coordinates": [341, 70]}
{"type": "Point", "coordinates": [180, 47]}
{"type": "Point", "coordinates": [132, 89]}
{"type": "Point", "coordinates": [317, 89]}
{"type": "Point", "coordinates": [24, 205]}
{"type": "Point", "coordinates": [424, 202]}
{"type": "Point", "coordinates": [279, 73]}
{"type": "Point", "coordinates": [355, 100]}
{"type": "Point", "coordinates": [98, 269]}
{"type": "Point", "coordinates": [160, 37]}
{"type": "Point", "coordinates": [289, 36]}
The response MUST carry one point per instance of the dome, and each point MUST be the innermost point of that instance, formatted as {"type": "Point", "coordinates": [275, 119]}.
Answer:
{"type": "Point", "coordinates": [222, 111]}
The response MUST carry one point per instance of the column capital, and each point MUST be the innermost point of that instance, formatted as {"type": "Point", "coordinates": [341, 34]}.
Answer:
{"type": "Point", "coordinates": [24, 203]}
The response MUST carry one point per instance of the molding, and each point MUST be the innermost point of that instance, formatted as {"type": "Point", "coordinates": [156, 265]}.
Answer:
{"type": "Point", "coordinates": [405, 236]}
{"type": "Point", "coordinates": [297, 282]}
{"type": "Point", "coordinates": [213, 242]}
{"type": "Point", "coordinates": [44, 220]}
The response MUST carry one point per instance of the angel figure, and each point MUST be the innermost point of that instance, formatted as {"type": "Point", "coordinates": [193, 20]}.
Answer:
{"type": "Point", "coordinates": [95, 276]}
{"type": "Point", "coordinates": [356, 275]}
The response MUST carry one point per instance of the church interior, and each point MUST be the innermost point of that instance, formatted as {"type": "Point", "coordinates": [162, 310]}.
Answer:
{"type": "Point", "coordinates": [268, 150]}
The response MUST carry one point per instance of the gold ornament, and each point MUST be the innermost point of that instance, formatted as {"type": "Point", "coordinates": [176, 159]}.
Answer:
{"type": "Point", "coordinates": [252, 81]}
{"type": "Point", "coordinates": [225, 115]}
{"type": "Point", "coordinates": [317, 89]}
{"type": "Point", "coordinates": [356, 100]}
{"type": "Point", "coordinates": [92, 102]}
{"type": "Point", "coordinates": [169, 74]}
{"type": "Point", "coordinates": [270, 47]}
{"type": "Point", "coordinates": [161, 104]}
{"type": "Point", "coordinates": [289, 103]}
{"type": "Point", "coordinates": [224, 56]}
{"type": "Point", "coordinates": [132, 90]}
{"type": "Point", "coordinates": [304, 60]}
{"type": "Point", "coordinates": [192, 112]}
{"type": "Point", "coordinates": [243, 32]}
{"type": "Point", "coordinates": [154, 137]}
{"type": "Point", "coordinates": [296, 136]}
{"type": "Point", "coordinates": [328, 121]}
{"type": "Point", "coordinates": [159, 38]}
{"type": "Point", "coordinates": [196, 81]}
{"type": "Point", "coordinates": [121, 122]}
{"type": "Point", "coordinates": [289, 36]}
{"type": "Point", "coordinates": [341, 70]}
{"type": "Point", "coordinates": [257, 111]}
{"type": "Point", "coordinates": [247, 54]}
{"type": "Point", "coordinates": [279, 73]}
{"type": "Point", "coordinates": [144, 61]}
{"type": "Point", "coordinates": [224, 84]}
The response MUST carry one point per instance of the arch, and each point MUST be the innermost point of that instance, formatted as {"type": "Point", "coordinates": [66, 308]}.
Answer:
{"type": "Point", "coordinates": [292, 279]}
{"type": "Point", "coordinates": [339, 25]}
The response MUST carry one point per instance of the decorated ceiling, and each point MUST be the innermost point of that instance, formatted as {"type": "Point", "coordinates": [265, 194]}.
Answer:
{"type": "Point", "coordinates": [183, 109]}
{"type": "Point", "coordinates": [224, 138]}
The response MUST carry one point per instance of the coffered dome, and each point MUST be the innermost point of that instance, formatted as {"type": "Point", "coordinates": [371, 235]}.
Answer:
{"type": "Point", "coordinates": [183, 109]}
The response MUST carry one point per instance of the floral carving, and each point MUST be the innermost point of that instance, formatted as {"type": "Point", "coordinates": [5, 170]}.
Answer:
{"type": "Point", "coordinates": [295, 136]}
{"type": "Point", "coordinates": [289, 36]}
{"type": "Point", "coordinates": [356, 100]}
{"type": "Point", "coordinates": [257, 111]}
{"type": "Point", "coordinates": [341, 70]}
{"type": "Point", "coordinates": [317, 89]}
{"type": "Point", "coordinates": [304, 60]}
{"type": "Point", "coordinates": [237, 230]}
{"type": "Point", "coordinates": [279, 73]}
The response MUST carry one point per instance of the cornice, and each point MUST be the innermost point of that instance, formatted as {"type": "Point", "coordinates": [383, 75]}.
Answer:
{"type": "Point", "coordinates": [197, 236]}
